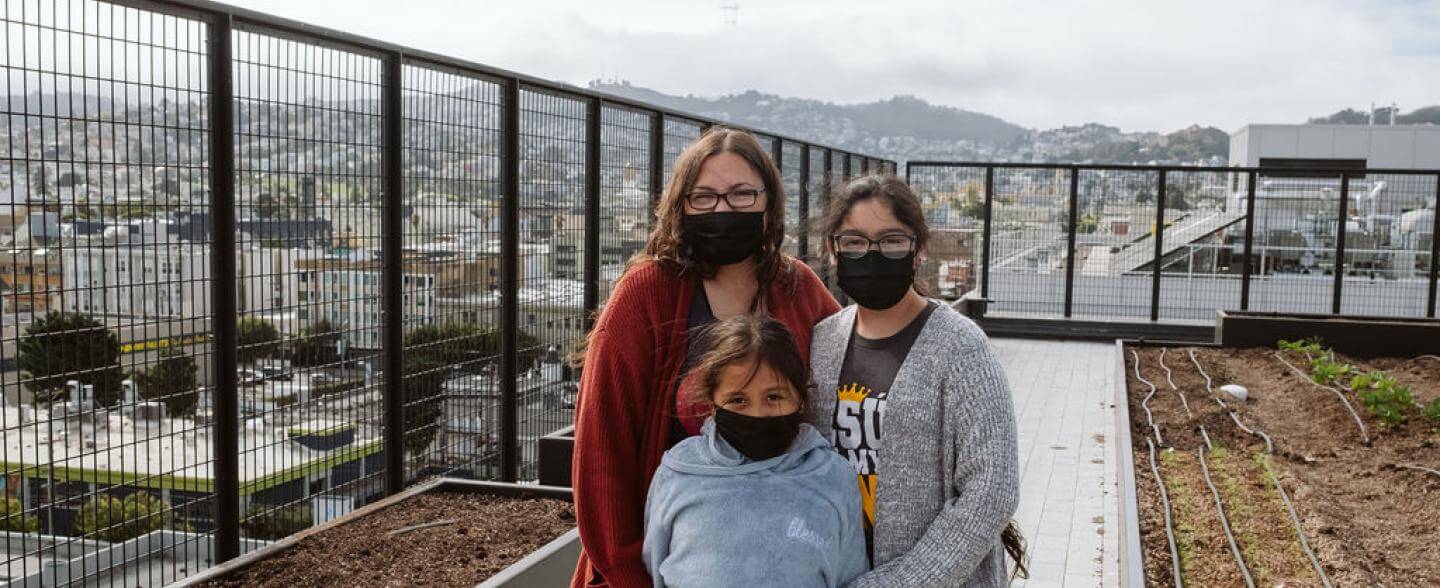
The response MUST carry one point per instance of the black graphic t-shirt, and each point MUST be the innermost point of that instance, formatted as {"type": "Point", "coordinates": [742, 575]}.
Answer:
{"type": "Point", "coordinates": [865, 379]}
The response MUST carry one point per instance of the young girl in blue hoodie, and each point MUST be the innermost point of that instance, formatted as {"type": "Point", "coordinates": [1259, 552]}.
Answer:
{"type": "Point", "coordinates": [759, 498]}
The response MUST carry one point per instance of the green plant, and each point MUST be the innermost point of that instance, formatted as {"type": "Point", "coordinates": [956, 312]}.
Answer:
{"type": "Point", "coordinates": [112, 519]}
{"type": "Point", "coordinates": [13, 518]}
{"type": "Point", "coordinates": [171, 381]}
{"type": "Point", "coordinates": [1384, 397]}
{"type": "Point", "coordinates": [255, 339]}
{"type": "Point", "coordinates": [1324, 369]}
{"type": "Point", "coordinates": [1311, 345]}
{"type": "Point", "coordinates": [61, 346]}
{"type": "Point", "coordinates": [1432, 412]}
{"type": "Point", "coordinates": [270, 524]}
{"type": "Point", "coordinates": [316, 345]}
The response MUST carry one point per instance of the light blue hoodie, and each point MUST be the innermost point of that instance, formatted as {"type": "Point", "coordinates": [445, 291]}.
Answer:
{"type": "Point", "coordinates": [714, 518]}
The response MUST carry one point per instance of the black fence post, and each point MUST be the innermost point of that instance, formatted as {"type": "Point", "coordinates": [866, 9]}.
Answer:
{"type": "Point", "coordinates": [986, 231]}
{"type": "Point", "coordinates": [510, 281]}
{"type": "Point", "coordinates": [1434, 250]}
{"type": "Point", "coordinates": [907, 174]}
{"type": "Point", "coordinates": [392, 278]}
{"type": "Point", "coordinates": [777, 155]}
{"type": "Point", "coordinates": [1248, 268]}
{"type": "Point", "coordinates": [827, 189]}
{"type": "Point", "coordinates": [224, 321]}
{"type": "Point", "coordinates": [846, 165]}
{"type": "Point", "coordinates": [592, 211]}
{"type": "Point", "coordinates": [657, 164]}
{"type": "Point", "coordinates": [1159, 248]}
{"type": "Point", "coordinates": [1070, 240]}
{"type": "Point", "coordinates": [1342, 216]}
{"type": "Point", "coordinates": [803, 240]}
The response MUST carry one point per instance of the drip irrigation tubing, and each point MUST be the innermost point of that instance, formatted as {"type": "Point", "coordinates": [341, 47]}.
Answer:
{"type": "Point", "coordinates": [1145, 404]}
{"type": "Point", "coordinates": [1364, 435]}
{"type": "Point", "coordinates": [1275, 479]}
{"type": "Point", "coordinates": [1209, 387]}
{"type": "Point", "coordinates": [1171, 381]}
{"type": "Point", "coordinates": [1220, 509]}
{"type": "Point", "coordinates": [1169, 524]}
{"type": "Point", "coordinates": [1419, 468]}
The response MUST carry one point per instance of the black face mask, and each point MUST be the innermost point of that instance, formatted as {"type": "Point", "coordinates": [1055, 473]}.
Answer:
{"type": "Point", "coordinates": [874, 281]}
{"type": "Point", "coordinates": [723, 238]}
{"type": "Point", "coordinates": [758, 438]}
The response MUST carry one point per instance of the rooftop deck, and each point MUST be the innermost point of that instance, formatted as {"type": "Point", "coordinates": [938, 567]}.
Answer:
{"type": "Point", "coordinates": [1068, 496]}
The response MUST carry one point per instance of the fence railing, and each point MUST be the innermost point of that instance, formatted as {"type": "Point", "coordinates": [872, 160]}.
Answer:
{"type": "Point", "coordinates": [1175, 244]}
{"type": "Point", "coordinates": [257, 273]}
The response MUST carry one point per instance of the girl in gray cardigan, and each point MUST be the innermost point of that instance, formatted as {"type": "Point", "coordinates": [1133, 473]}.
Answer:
{"type": "Point", "coordinates": [909, 391]}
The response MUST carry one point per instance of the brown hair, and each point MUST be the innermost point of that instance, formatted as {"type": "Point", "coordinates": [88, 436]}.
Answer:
{"type": "Point", "coordinates": [753, 337]}
{"type": "Point", "coordinates": [667, 242]}
{"type": "Point", "coordinates": [895, 193]}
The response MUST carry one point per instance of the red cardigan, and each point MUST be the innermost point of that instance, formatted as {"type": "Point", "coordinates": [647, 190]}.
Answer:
{"type": "Point", "coordinates": [627, 395]}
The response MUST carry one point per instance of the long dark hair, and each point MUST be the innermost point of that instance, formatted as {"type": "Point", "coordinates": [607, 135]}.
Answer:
{"type": "Point", "coordinates": [906, 208]}
{"type": "Point", "coordinates": [667, 242]}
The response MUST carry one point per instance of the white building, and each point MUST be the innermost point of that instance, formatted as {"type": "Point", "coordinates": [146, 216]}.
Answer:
{"type": "Point", "coordinates": [146, 275]}
{"type": "Point", "coordinates": [350, 293]}
{"type": "Point", "coordinates": [1373, 146]}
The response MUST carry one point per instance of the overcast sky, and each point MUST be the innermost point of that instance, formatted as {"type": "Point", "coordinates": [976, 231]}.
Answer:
{"type": "Point", "coordinates": [1138, 64]}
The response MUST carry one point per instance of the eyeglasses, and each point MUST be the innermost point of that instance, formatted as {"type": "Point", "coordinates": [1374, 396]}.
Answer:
{"type": "Point", "coordinates": [737, 198]}
{"type": "Point", "coordinates": [893, 246]}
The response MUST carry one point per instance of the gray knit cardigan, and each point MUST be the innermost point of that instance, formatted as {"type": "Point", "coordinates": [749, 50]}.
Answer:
{"type": "Point", "coordinates": [948, 475]}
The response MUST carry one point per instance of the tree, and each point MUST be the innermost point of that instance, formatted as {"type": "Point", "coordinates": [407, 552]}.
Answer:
{"type": "Point", "coordinates": [171, 381]}
{"type": "Point", "coordinates": [431, 351]}
{"type": "Point", "coordinates": [111, 519]}
{"type": "Point", "coordinates": [269, 524]}
{"type": "Point", "coordinates": [61, 346]}
{"type": "Point", "coordinates": [14, 519]}
{"type": "Point", "coordinates": [256, 338]}
{"type": "Point", "coordinates": [315, 345]}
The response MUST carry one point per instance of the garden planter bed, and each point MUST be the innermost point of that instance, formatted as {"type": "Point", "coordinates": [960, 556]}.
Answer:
{"type": "Point", "coordinates": [442, 533]}
{"type": "Point", "coordinates": [1368, 514]}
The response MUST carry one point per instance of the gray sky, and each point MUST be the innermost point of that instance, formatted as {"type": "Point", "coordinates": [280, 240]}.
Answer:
{"type": "Point", "coordinates": [1138, 64]}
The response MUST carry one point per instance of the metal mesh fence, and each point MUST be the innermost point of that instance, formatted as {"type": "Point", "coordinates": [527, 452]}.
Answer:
{"type": "Point", "coordinates": [1388, 231]}
{"type": "Point", "coordinates": [1029, 212]}
{"type": "Point", "coordinates": [625, 190]}
{"type": "Point", "coordinates": [954, 203]}
{"type": "Point", "coordinates": [816, 187]}
{"type": "Point", "coordinates": [452, 271]}
{"type": "Point", "coordinates": [115, 265]}
{"type": "Point", "coordinates": [790, 165]}
{"type": "Point", "coordinates": [552, 228]}
{"type": "Point", "coordinates": [1114, 242]}
{"type": "Point", "coordinates": [308, 183]}
{"type": "Point", "coordinates": [1292, 238]}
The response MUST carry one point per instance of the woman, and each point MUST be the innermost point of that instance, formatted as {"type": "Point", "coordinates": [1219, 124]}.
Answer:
{"type": "Point", "coordinates": [910, 392]}
{"type": "Point", "coordinates": [759, 498]}
{"type": "Point", "coordinates": [714, 253]}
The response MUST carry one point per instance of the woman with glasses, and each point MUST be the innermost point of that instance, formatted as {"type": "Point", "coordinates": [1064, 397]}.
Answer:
{"type": "Point", "coordinates": [714, 254]}
{"type": "Point", "coordinates": [909, 391]}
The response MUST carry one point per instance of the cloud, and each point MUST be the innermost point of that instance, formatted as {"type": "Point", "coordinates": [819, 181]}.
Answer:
{"type": "Point", "coordinates": [1139, 64]}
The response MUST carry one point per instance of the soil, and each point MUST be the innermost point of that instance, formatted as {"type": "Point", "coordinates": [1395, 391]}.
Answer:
{"type": "Point", "coordinates": [1368, 522]}
{"type": "Point", "coordinates": [489, 534]}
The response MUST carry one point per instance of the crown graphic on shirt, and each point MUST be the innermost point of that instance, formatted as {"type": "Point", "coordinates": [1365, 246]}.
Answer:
{"type": "Point", "coordinates": [851, 393]}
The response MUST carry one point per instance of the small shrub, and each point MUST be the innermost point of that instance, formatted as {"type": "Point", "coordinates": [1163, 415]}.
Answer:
{"type": "Point", "coordinates": [1384, 397]}
{"type": "Point", "coordinates": [1432, 412]}
{"type": "Point", "coordinates": [262, 522]}
{"type": "Point", "coordinates": [1311, 345]}
{"type": "Point", "coordinates": [13, 518]}
{"type": "Point", "coordinates": [1324, 369]}
{"type": "Point", "coordinates": [112, 519]}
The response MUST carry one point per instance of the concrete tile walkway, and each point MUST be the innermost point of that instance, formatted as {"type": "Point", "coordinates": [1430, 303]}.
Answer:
{"type": "Point", "coordinates": [1068, 499]}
